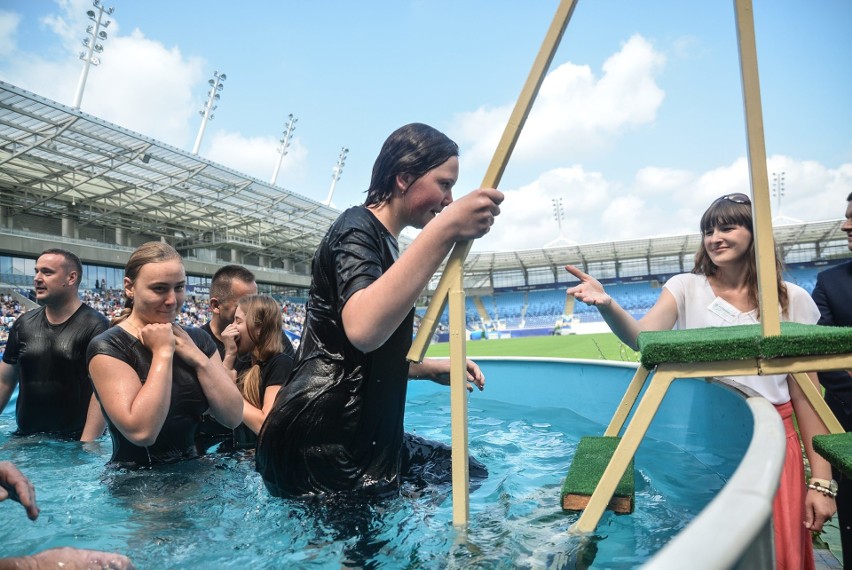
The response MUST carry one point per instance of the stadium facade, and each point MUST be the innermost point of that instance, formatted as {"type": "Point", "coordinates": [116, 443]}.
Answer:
{"type": "Point", "coordinates": [70, 179]}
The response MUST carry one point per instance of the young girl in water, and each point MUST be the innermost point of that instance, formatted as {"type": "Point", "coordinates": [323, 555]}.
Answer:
{"type": "Point", "coordinates": [256, 330]}
{"type": "Point", "coordinates": [337, 424]}
{"type": "Point", "coordinates": [155, 379]}
{"type": "Point", "coordinates": [722, 291]}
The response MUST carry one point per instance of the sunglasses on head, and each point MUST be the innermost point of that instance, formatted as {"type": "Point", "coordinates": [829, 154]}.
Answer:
{"type": "Point", "coordinates": [736, 198]}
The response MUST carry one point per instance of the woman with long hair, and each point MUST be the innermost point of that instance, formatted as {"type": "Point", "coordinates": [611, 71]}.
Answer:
{"type": "Point", "coordinates": [722, 291]}
{"type": "Point", "coordinates": [256, 331]}
{"type": "Point", "coordinates": [155, 379]}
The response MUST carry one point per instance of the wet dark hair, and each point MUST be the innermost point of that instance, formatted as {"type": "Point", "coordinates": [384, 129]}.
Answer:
{"type": "Point", "coordinates": [849, 197]}
{"type": "Point", "coordinates": [413, 149]}
{"type": "Point", "coordinates": [730, 210]}
{"type": "Point", "coordinates": [150, 252]}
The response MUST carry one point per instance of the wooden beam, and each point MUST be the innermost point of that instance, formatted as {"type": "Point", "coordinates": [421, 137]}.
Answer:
{"type": "Point", "coordinates": [764, 242]}
{"type": "Point", "coordinates": [455, 263]}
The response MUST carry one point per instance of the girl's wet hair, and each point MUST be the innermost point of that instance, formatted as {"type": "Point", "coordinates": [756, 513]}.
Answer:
{"type": "Point", "coordinates": [413, 149]}
{"type": "Point", "coordinates": [150, 252]}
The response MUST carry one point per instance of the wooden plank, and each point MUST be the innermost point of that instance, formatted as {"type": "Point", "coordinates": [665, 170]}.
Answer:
{"type": "Point", "coordinates": [764, 242]}
{"type": "Point", "coordinates": [455, 263]}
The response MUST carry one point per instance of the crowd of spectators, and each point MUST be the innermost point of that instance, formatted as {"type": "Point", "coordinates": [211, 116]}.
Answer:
{"type": "Point", "coordinates": [195, 312]}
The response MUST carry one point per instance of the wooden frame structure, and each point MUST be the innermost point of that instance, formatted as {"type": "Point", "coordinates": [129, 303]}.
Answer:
{"type": "Point", "coordinates": [666, 372]}
{"type": "Point", "coordinates": [451, 285]}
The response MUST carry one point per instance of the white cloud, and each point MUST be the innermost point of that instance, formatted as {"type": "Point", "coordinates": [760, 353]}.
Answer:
{"type": "Point", "coordinates": [148, 88]}
{"type": "Point", "coordinates": [659, 202]}
{"type": "Point", "coordinates": [575, 112]}
{"type": "Point", "coordinates": [8, 32]}
{"type": "Point", "coordinates": [140, 84]}
{"type": "Point", "coordinates": [257, 156]}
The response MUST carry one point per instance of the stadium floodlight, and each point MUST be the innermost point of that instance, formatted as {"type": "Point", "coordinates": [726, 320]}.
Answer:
{"type": "Point", "coordinates": [778, 187]}
{"type": "Point", "coordinates": [207, 112]}
{"type": "Point", "coordinates": [336, 171]}
{"type": "Point", "coordinates": [92, 46]}
{"type": "Point", "coordinates": [285, 144]}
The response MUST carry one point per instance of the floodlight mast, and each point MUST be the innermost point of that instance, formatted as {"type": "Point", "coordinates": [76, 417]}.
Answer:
{"type": "Point", "coordinates": [207, 112]}
{"type": "Point", "coordinates": [92, 45]}
{"type": "Point", "coordinates": [285, 144]}
{"type": "Point", "coordinates": [778, 188]}
{"type": "Point", "coordinates": [336, 171]}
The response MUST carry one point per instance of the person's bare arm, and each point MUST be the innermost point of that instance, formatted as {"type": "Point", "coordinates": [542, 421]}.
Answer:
{"type": "Point", "coordinates": [223, 396]}
{"type": "Point", "coordinates": [95, 422]}
{"type": "Point", "coordinates": [662, 316]}
{"type": "Point", "coordinates": [818, 506]}
{"type": "Point", "coordinates": [254, 417]}
{"type": "Point", "coordinates": [8, 381]}
{"type": "Point", "coordinates": [68, 558]}
{"type": "Point", "coordinates": [372, 314]}
{"type": "Point", "coordinates": [438, 370]}
{"type": "Point", "coordinates": [15, 485]}
{"type": "Point", "coordinates": [137, 410]}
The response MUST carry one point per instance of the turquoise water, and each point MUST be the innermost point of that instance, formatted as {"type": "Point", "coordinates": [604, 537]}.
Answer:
{"type": "Point", "coordinates": [215, 512]}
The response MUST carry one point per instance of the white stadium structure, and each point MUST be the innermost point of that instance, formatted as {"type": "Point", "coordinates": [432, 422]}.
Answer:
{"type": "Point", "coordinates": [70, 179]}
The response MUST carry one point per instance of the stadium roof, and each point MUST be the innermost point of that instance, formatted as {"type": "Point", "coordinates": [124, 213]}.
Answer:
{"type": "Point", "coordinates": [59, 162]}
{"type": "Point", "coordinates": [786, 236]}
{"type": "Point", "coordinates": [56, 161]}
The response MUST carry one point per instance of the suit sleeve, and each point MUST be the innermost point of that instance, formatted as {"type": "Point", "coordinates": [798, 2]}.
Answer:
{"type": "Point", "coordinates": [826, 318]}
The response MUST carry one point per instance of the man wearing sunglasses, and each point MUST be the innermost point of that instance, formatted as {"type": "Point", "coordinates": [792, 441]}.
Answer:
{"type": "Point", "coordinates": [833, 296]}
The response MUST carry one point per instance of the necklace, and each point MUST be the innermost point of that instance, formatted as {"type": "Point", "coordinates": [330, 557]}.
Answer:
{"type": "Point", "coordinates": [138, 334]}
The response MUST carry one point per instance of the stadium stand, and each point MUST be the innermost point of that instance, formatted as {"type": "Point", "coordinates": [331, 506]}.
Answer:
{"type": "Point", "coordinates": [542, 309]}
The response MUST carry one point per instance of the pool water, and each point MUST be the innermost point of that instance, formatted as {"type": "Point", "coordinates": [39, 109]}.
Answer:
{"type": "Point", "coordinates": [215, 512]}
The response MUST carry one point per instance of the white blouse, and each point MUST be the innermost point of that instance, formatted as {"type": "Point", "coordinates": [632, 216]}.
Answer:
{"type": "Point", "coordinates": [699, 307]}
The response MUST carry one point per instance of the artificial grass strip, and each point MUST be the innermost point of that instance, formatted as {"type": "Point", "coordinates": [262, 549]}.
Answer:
{"type": "Point", "coordinates": [807, 340]}
{"type": "Point", "coordinates": [741, 342]}
{"type": "Point", "coordinates": [837, 449]}
{"type": "Point", "coordinates": [699, 345]}
{"type": "Point", "coordinates": [587, 467]}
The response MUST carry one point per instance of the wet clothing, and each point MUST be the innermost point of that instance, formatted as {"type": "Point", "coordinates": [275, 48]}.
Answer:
{"type": "Point", "coordinates": [211, 432]}
{"type": "Point", "coordinates": [272, 373]}
{"type": "Point", "coordinates": [176, 440]}
{"type": "Point", "coordinates": [54, 385]}
{"type": "Point", "coordinates": [337, 424]}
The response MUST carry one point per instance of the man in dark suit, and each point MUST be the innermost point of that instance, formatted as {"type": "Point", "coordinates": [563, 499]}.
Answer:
{"type": "Point", "coordinates": [833, 296]}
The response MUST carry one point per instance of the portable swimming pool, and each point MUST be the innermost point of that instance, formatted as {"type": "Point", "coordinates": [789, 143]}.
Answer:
{"type": "Point", "coordinates": [215, 512]}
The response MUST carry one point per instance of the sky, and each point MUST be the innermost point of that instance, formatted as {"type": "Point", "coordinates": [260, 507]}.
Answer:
{"type": "Point", "coordinates": [637, 128]}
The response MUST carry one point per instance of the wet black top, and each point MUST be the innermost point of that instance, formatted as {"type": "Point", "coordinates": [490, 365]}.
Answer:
{"type": "Point", "coordinates": [211, 432]}
{"type": "Point", "coordinates": [54, 385]}
{"type": "Point", "coordinates": [176, 440]}
{"type": "Point", "coordinates": [273, 372]}
{"type": "Point", "coordinates": [337, 424]}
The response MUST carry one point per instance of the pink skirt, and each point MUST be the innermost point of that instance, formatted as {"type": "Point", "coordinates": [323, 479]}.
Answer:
{"type": "Point", "coordinates": [794, 548]}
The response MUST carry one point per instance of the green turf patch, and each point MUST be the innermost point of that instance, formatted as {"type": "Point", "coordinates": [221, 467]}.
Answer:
{"type": "Point", "coordinates": [599, 346]}
{"type": "Point", "coordinates": [587, 467]}
{"type": "Point", "coordinates": [837, 449]}
{"type": "Point", "coordinates": [741, 342]}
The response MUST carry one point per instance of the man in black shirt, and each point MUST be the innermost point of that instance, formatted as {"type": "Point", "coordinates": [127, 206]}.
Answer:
{"type": "Point", "coordinates": [229, 284]}
{"type": "Point", "coordinates": [46, 354]}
